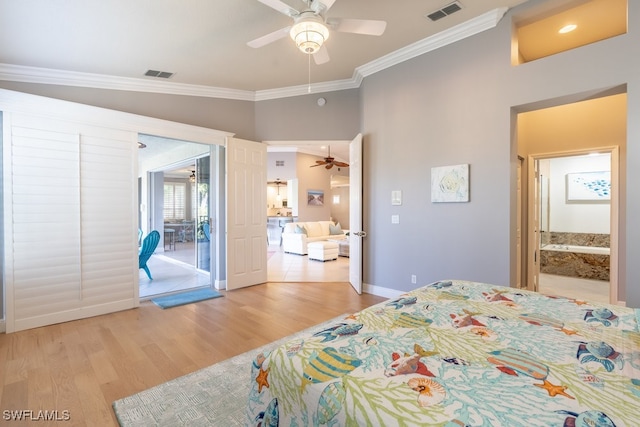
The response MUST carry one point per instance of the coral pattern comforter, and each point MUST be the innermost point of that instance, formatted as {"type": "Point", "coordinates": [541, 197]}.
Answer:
{"type": "Point", "coordinates": [457, 353]}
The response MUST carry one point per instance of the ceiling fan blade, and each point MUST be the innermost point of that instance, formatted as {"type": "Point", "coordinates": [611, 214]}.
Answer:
{"type": "Point", "coordinates": [321, 162]}
{"type": "Point", "coordinates": [269, 38]}
{"type": "Point", "coordinates": [341, 164]}
{"type": "Point", "coordinates": [321, 56]}
{"type": "Point", "coordinates": [358, 26]}
{"type": "Point", "coordinates": [329, 166]}
{"type": "Point", "coordinates": [281, 7]}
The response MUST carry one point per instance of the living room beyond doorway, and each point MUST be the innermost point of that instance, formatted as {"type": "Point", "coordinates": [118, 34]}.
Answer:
{"type": "Point", "coordinates": [286, 267]}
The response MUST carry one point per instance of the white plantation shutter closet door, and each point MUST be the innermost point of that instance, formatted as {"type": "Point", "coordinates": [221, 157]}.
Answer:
{"type": "Point", "coordinates": [72, 215]}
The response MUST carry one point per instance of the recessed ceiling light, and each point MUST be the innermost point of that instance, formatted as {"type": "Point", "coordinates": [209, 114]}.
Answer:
{"type": "Point", "coordinates": [567, 28]}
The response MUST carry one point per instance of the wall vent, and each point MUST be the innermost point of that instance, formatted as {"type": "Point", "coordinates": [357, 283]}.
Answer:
{"type": "Point", "coordinates": [160, 74]}
{"type": "Point", "coordinates": [445, 11]}
{"type": "Point", "coordinates": [279, 163]}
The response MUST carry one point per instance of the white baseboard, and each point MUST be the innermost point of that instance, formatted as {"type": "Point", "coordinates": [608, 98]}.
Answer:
{"type": "Point", "coordinates": [3, 326]}
{"type": "Point", "coordinates": [380, 291]}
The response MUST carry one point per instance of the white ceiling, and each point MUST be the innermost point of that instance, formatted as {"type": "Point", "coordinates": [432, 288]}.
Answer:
{"type": "Point", "coordinates": [204, 42]}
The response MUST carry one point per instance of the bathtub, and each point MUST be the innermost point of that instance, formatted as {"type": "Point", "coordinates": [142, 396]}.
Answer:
{"type": "Point", "coordinates": [587, 262]}
{"type": "Point", "coordinates": [576, 249]}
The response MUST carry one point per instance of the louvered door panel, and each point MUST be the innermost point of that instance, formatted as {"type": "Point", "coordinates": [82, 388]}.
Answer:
{"type": "Point", "coordinates": [45, 222]}
{"type": "Point", "coordinates": [72, 219]}
{"type": "Point", "coordinates": [108, 220]}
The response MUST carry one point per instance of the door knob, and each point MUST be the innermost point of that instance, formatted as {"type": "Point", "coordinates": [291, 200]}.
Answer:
{"type": "Point", "coordinates": [360, 233]}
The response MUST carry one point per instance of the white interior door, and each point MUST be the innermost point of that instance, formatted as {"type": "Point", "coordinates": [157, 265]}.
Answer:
{"type": "Point", "coordinates": [246, 165]}
{"type": "Point", "coordinates": [355, 213]}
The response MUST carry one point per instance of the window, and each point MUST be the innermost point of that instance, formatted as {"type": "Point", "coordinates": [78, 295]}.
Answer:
{"type": "Point", "coordinates": [174, 201]}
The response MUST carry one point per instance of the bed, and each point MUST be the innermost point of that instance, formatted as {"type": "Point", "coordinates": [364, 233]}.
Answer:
{"type": "Point", "coordinates": [457, 353]}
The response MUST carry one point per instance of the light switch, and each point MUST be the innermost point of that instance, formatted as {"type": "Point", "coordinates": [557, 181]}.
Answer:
{"type": "Point", "coordinates": [396, 197]}
{"type": "Point", "coordinates": [395, 219]}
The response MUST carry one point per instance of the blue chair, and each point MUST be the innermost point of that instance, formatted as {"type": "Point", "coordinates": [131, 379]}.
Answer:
{"type": "Point", "coordinates": [149, 245]}
{"type": "Point", "coordinates": [206, 231]}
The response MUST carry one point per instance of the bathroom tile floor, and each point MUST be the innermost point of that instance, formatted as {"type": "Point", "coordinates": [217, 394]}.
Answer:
{"type": "Point", "coordinates": [571, 287]}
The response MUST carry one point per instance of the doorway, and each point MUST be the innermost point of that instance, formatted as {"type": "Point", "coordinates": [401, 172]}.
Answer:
{"type": "Point", "coordinates": [175, 200]}
{"type": "Point", "coordinates": [289, 164]}
{"type": "Point", "coordinates": [575, 202]}
{"type": "Point", "coordinates": [578, 124]}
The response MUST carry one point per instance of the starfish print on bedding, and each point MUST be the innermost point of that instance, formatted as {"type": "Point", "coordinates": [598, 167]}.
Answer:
{"type": "Point", "coordinates": [554, 390]}
{"type": "Point", "coordinates": [262, 379]}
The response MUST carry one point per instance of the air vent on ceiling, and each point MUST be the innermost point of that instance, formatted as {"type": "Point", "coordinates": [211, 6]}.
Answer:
{"type": "Point", "coordinates": [161, 74]}
{"type": "Point", "coordinates": [279, 163]}
{"type": "Point", "coordinates": [445, 11]}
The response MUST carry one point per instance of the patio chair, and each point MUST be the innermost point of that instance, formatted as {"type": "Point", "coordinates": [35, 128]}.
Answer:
{"type": "Point", "coordinates": [149, 245]}
{"type": "Point", "coordinates": [206, 231]}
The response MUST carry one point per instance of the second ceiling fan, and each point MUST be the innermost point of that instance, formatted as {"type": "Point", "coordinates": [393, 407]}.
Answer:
{"type": "Point", "coordinates": [330, 162]}
{"type": "Point", "coordinates": [311, 27]}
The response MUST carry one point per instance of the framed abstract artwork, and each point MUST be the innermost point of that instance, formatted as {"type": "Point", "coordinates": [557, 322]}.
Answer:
{"type": "Point", "coordinates": [589, 186]}
{"type": "Point", "coordinates": [450, 184]}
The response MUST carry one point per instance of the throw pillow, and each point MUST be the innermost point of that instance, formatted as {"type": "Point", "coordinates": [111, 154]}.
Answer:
{"type": "Point", "coordinates": [301, 230]}
{"type": "Point", "coordinates": [335, 229]}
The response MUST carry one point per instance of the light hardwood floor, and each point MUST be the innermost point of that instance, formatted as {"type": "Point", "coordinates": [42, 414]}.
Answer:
{"type": "Point", "coordinates": [84, 365]}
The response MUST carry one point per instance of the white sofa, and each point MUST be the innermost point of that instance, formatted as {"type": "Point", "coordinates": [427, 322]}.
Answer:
{"type": "Point", "coordinates": [294, 241]}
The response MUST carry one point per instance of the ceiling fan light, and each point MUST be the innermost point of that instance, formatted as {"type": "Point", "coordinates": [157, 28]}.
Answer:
{"type": "Point", "coordinates": [309, 34]}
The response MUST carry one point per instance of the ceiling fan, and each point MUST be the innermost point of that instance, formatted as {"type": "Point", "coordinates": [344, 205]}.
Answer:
{"type": "Point", "coordinates": [330, 162]}
{"type": "Point", "coordinates": [311, 27]}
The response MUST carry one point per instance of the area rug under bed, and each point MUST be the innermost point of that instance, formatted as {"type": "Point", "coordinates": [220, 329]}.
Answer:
{"type": "Point", "coordinates": [213, 396]}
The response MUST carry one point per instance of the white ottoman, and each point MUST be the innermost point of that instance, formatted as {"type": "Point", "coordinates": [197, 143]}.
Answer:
{"type": "Point", "coordinates": [323, 250]}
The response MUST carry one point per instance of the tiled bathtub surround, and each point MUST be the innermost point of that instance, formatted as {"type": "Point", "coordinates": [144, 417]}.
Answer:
{"type": "Point", "coordinates": [573, 264]}
{"type": "Point", "coordinates": [575, 239]}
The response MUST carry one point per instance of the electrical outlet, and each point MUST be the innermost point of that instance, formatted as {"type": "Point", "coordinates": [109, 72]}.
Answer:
{"type": "Point", "coordinates": [414, 279]}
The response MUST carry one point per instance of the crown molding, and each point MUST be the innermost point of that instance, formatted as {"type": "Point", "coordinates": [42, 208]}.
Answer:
{"type": "Point", "coordinates": [25, 74]}
{"type": "Point", "coordinates": [469, 28]}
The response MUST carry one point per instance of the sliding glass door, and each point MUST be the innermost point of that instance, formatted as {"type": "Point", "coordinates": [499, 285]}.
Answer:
{"type": "Point", "coordinates": [203, 214]}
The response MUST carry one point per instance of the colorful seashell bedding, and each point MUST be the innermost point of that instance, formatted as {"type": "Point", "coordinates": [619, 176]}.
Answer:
{"type": "Point", "coordinates": [458, 353]}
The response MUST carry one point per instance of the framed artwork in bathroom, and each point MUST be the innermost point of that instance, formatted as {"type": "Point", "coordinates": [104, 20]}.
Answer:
{"type": "Point", "coordinates": [589, 186]}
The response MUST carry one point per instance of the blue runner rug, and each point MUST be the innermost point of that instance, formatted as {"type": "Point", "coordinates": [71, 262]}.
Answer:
{"type": "Point", "coordinates": [185, 298]}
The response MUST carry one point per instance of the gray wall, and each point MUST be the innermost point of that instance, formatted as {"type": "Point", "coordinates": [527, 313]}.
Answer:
{"type": "Point", "coordinates": [454, 105]}
{"type": "Point", "coordinates": [301, 118]}
{"type": "Point", "coordinates": [220, 114]}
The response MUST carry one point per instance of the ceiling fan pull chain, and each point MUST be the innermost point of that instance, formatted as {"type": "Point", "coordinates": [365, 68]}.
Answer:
{"type": "Point", "coordinates": [309, 72]}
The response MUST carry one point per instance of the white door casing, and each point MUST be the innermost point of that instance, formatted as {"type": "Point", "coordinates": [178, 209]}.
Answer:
{"type": "Point", "coordinates": [355, 213]}
{"type": "Point", "coordinates": [246, 166]}
{"type": "Point", "coordinates": [533, 237]}
{"type": "Point", "coordinates": [533, 252]}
